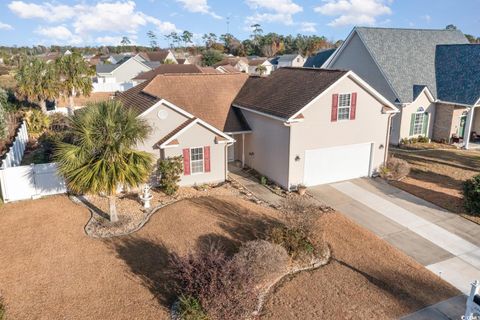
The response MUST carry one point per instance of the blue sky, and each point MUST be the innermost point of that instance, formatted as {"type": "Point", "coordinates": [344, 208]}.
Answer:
{"type": "Point", "coordinates": [88, 22]}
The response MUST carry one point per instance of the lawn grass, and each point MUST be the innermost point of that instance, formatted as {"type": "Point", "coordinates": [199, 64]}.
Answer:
{"type": "Point", "coordinates": [438, 175]}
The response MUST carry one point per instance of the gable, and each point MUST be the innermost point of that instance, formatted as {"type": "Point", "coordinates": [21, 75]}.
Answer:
{"type": "Point", "coordinates": [355, 56]}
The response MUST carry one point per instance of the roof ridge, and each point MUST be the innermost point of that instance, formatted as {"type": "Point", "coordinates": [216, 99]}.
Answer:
{"type": "Point", "coordinates": [315, 69]}
{"type": "Point", "coordinates": [413, 29]}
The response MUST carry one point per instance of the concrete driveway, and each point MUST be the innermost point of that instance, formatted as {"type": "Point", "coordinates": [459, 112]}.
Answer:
{"type": "Point", "coordinates": [443, 242]}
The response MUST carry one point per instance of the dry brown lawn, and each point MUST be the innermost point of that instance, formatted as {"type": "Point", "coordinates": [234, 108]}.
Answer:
{"type": "Point", "coordinates": [437, 176]}
{"type": "Point", "coordinates": [49, 268]}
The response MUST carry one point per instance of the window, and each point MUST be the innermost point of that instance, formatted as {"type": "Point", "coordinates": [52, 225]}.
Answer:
{"type": "Point", "coordinates": [344, 103]}
{"type": "Point", "coordinates": [418, 123]}
{"type": "Point", "coordinates": [196, 160]}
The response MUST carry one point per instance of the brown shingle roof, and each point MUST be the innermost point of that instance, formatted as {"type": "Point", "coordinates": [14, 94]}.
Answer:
{"type": "Point", "coordinates": [159, 56]}
{"type": "Point", "coordinates": [173, 68]}
{"type": "Point", "coordinates": [136, 99]}
{"type": "Point", "coordinates": [286, 90]}
{"type": "Point", "coordinates": [175, 131]}
{"type": "Point", "coordinates": [206, 96]}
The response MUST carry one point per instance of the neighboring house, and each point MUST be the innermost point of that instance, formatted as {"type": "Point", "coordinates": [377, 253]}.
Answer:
{"type": "Point", "coordinates": [172, 69]}
{"type": "Point", "coordinates": [117, 58]}
{"type": "Point", "coordinates": [183, 61]}
{"type": "Point", "coordinates": [317, 60]}
{"type": "Point", "coordinates": [190, 116]}
{"type": "Point", "coordinates": [254, 64]}
{"type": "Point", "coordinates": [287, 60]}
{"type": "Point", "coordinates": [161, 56]}
{"type": "Point", "coordinates": [312, 126]}
{"type": "Point", "coordinates": [118, 77]}
{"type": "Point", "coordinates": [239, 63]}
{"type": "Point", "coordinates": [407, 66]}
{"type": "Point", "coordinates": [227, 69]}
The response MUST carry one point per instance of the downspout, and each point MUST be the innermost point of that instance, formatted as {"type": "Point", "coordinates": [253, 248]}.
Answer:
{"type": "Point", "coordinates": [226, 158]}
{"type": "Point", "coordinates": [387, 138]}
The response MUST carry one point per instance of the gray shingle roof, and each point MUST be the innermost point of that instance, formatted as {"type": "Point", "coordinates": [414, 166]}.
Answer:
{"type": "Point", "coordinates": [317, 60]}
{"type": "Point", "coordinates": [105, 67]}
{"type": "Point", "coordinates": [458, 73]}
{"type": "Point", "coordinates": [407, 56]}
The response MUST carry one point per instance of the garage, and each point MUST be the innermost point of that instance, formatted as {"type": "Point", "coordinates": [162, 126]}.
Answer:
{"type": "Point", "coordinates": [327, 165]}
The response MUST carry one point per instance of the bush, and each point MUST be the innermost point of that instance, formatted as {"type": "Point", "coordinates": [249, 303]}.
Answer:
{"type": "Point", "coordinates": [170, 170]}
{"type": "Point", "coordinates": [262, 259]}
{"type": "Point", "coordinates": [190, 308]}
{"type": "Point", "coordinates": [423, 139]}
{"type": "Point", "coordinates": [396, 169]}
{"type": "Point", "coordinates": [301, 213]}
{"type": "Point", "coordinates": [294, 240]}
{"type": "Point", "coordinates": [37, 122]}
{"type": "Point", "coordinates": [263, 181]}
{"type": "Point", "coordinates": [471, 195]}
{"type": "Point", "coordinates": [224, 290]}
{"type": "Point", "coordinates": [58, 122]}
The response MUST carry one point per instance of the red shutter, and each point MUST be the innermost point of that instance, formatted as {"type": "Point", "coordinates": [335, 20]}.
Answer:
{"type": "Point", "coordinates": [206, 158]}
{"type": "Point", "coordinates": [334, 107]}
{"type": "Point", "coordinates": [353, 106]}
{"type": "Point", "coordinates": [186, 161]}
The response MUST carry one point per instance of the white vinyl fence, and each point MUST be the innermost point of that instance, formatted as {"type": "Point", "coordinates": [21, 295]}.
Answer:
{"type": "Point", "coordinates": [15, 155]}
{"type": "Point", "coordinates": [30, 182]}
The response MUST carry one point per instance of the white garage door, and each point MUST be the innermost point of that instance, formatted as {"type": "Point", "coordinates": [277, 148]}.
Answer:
{"type": "Point", "coordinates": [337, 164]}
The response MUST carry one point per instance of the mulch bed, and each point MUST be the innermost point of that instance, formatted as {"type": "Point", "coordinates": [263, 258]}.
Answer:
{"type": "Point", "coordinates": [438, 175]}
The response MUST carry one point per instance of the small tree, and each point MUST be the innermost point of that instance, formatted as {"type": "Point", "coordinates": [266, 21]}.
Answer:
{"type": "Point", "coordinates": [102, 154]}
{"type": "Point", "coordinates": [261, 69]}
{"type": "Point", "coordinates": [210, 57]}
{"type": "Point", "coordinates": [3, 114]}
{"type": "Point", "coordinates": [471, 194]}
{"type": "Point", "coordinates": [170, 170]}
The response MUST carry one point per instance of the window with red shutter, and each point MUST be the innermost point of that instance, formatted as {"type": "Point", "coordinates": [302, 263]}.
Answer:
{"type": "Point", "coordinates": [206, 155]}
{"type": "Point", "coordinates": [353, 106]}
{"type": "Point", "coordinates": [334, 107]}
{"type": "Point", "coordinates": [186, 161]}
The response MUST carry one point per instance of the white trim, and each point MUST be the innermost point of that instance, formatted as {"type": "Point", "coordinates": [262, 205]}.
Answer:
{"type": "Point", "coordinates": [203, 160]}
{"type": "Point", "coordinates": [339, 50]}
{"type": "Point", "coordinates": [360, 82]}
{"type": "Point", "coordinates": [239, 132]}
{"type": "Point", "coordinates": [428, 93]}
{"type": "Point", "coordinates": [454, 103]}
{"type": "Point", "coordinates": [260, 113]}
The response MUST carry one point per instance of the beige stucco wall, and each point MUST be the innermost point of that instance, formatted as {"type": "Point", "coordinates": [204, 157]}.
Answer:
{"type": "Point", "coordinates": [317, 130]}
{"type": "Point", "coordinates": [447, 121]}
{"type": "Point", "coordinates": [406, 115]}
{"type": "Point", "coordinates": [199, 136]}
{"type": "Point", "coordinates": [159, 127]}
{"type": "Point", "coordinates": [267, 147]}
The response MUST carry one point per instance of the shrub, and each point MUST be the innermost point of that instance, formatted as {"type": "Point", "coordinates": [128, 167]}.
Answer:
{"type": "Point", "coordinates": [471, 194]}
{"type": "Point", "coordinates": [396, 169]}
{"type": "Point", "coordinates": [262, 259]}
{"type": "Point", "coordinates": [224, 290]}
{"type": "Point", "coordinates": [294, 240]}
{"type": "Point", "coordinates": [190, 308]}
{"type": "Point", "coordinates": [263, 181]}
{"type": "Point", "coordinates": [423, 139]}
{"type": "Point", "coordinates": [58, 122]}
{"type": "Point", "coordinates": [37, 122]}
{"type": "Point", "coordinates": [170, 170]}
{"type": "Point", "coordinates": [301, 213]}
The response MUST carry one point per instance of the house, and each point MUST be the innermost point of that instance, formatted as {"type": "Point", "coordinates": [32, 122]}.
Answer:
{"type": "Point", "coordinates": [239, 63]}
{"type": "Point", "coordinates": [257, 64]}
{"type": "Point", "coordinates": [118, 77]}
{"type": "Point", "coordinates": [297, 126]}
{"type": "Point", "coordinates": [227, 69]}
{"type": "Point", "coordinates": [183, 61]}
{"type": "Point", "coordinates": [172, 69]}
{"type": "Point", "coordinates": [287, 60]}
{"type": "Point", "coordinates": [160, 56]}
{"type": "Point", "coordinates": [116, 58]}
{"type": "Point", "coordinates": [317, 60]}
{"type": "Point", "coordinates": [312, 126]}
{"type": "Point", "coordinates": [406, 66]}
{"type": "Point", "coordinates": [190, 116]}
{"type": "Point", "coordinates": [457, 69]}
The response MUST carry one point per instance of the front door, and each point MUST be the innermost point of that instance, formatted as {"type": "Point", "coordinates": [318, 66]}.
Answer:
{"type": "Point", "coordinates": [461, 130]}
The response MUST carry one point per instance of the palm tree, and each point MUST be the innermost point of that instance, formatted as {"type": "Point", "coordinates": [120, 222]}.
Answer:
{"type": "Point", "coordinates": [102, 155]}
{"type": "Point", "coordinates": [37, 82]}
{"type": "Point", "coordinates": [75, 77]}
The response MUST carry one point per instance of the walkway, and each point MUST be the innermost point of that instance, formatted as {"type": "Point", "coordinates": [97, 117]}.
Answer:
{"type": "Point", "coordinates": [445, 243]}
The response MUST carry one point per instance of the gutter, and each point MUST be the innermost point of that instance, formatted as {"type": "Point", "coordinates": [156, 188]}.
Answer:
{"type": "Point", "coordinates": [387, 138]}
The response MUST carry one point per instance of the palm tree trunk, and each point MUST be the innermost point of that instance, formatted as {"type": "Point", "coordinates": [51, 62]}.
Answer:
{"type": "Point", "coordinates": [112, 208]}
{"type": "Point", "coordinates": [43, 106]}
{"type": "Point", "coordinates": [71, 102]}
